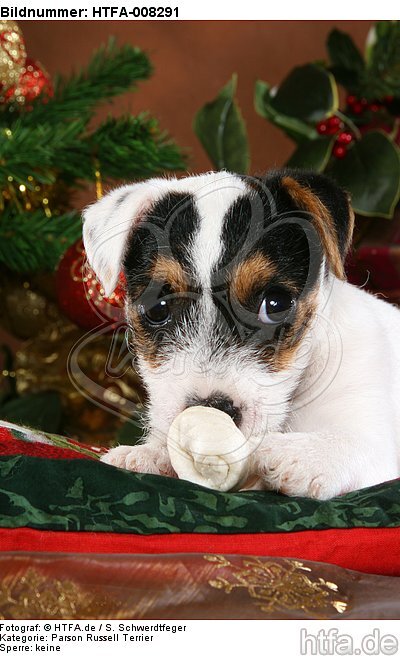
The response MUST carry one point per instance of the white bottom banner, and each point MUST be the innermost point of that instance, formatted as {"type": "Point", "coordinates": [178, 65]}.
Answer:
{"type": "Point", "coordinates": [233, 637]}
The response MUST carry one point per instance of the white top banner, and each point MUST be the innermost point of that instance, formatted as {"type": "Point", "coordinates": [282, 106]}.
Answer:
{"type": "Point", "coordinates": [191, 10]}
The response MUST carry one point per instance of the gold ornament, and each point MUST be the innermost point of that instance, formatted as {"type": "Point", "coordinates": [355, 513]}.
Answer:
{"type": "Point", "coordinates": [274, 586]}
{"type": "Point", "coordinates": [96, 402]}
{"type": "Point", "coordinates": [33, 595]}
{"type": "Point", "coordinates": [98, 180]}
{"type": "Point", "coordinates": [12, 54]}
{"type": "Point", "coordinates": [24, 312]}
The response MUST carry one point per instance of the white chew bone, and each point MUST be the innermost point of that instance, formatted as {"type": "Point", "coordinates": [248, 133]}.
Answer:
{"type": "Point", "coordinates": [206, 447]}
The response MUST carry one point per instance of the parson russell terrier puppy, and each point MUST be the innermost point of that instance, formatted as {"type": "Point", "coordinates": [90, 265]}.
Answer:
{"type": "Point", "coordinates": [237, 299]}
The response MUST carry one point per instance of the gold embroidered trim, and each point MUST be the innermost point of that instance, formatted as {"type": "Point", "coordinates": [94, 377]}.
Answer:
{"type": "Point", "coordinates": [32, 595]}
{"type": "Point", "coordinates": [278, 586]}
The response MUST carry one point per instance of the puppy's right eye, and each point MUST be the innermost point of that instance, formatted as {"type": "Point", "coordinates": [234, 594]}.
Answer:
{"type": "Point", "coordinates": [157, 315]}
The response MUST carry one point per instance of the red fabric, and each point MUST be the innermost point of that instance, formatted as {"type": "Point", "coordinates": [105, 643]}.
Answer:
{"type": "Point", "coordinates": [10, 445]}
{"type": "Point", "coordinates": [38, 450]}
{"type": "Point", "coordinates": [382, 264]}
{"type": "Point", "coordinates": [371, 550]}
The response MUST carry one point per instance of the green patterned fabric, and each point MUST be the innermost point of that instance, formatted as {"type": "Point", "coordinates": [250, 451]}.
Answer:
{"type": "Point", "coordinates": [87, 495]}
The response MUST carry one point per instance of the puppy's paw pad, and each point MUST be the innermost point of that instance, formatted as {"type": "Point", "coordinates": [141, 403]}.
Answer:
{"type": "Point", "coordinates": [316, 488]}
{"type": "Point", "coordinates": [117, 456]}
{"type": "Point", "coordinates": [142, 459]}
{"type": "Point", "coordinates": [322, 488]}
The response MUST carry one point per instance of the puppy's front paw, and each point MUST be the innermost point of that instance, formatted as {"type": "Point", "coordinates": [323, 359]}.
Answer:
{"type": "Point", "coordinates": [143, 459]}
{"type": "Point", "coordinates": [290, 465]}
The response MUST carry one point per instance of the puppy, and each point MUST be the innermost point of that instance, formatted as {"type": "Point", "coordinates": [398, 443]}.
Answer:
{"type": "Point", "coordinates": [237, 299]}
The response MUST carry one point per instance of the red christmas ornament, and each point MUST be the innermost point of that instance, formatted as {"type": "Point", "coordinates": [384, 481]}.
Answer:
{"type": "Point", "coordinates": [12, 54]}
{"type": "Point", "coordinates": [80, 295]}
{"type": "Point", "coordinates": [34, 81]}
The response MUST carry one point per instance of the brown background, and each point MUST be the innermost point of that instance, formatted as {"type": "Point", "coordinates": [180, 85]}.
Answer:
{"type": "Point", "coordinates": [192, 61]}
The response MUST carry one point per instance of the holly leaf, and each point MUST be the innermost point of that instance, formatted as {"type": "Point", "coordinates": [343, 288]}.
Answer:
{"type": "Point", "coordinates": [347, 61]}
{"type": "Point", "coordinates": [309, 94]}
{"type": "Point", "coordinates": [383, 59]}
{"type": "Point", "coordinates": [222, 132]}
{"type": "Point", "coordinates": [312, 155]}
{"type": "Point", "coordinates": [343, 51]}
{"type": "Point", "coordinates": [383, 53]}
{"type": "Point", "coordinates": [371, 173]}
{"type": "Point", "coordinates": [295, 128]}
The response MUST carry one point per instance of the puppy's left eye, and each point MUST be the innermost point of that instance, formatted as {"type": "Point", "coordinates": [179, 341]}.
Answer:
{"type": "Point", "coordinates": [276, 305]}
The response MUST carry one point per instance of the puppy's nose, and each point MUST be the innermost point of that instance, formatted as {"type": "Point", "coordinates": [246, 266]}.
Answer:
{"type": "Point", "coordinates": [219, 402]}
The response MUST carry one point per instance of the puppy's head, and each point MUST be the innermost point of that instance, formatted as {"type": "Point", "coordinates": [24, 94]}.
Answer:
{"type": "Point", "coordinates": [225, 277]}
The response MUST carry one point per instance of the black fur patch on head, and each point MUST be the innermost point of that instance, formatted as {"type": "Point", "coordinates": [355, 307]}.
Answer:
{"type": "Point", "coordinates": [157, 268]}
{"type": "Point", "coordinates": [267, 221]}
{"type": "Point", "coordinates": [166, 230]}
{"type": "Point", "coordinates": [335, 199]}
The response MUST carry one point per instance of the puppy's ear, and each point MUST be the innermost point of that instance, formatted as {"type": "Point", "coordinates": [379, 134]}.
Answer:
{"type": "Point", "coordinates": [108, 223]}
{"type": "Point", "coordinates": [330, 209]}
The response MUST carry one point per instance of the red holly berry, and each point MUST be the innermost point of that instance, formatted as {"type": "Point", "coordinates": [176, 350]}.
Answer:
{"type": "Point", "coordinates": [351, 100]}
{"type": "Point", "coordinates": [344, 138]}
{"type": "Point", "coordinates": [339, 151]}
{"type": "Point", "coordinates": [322, 127]}
{"type": "Point", "coordinates": [333, 120]}
{"type": "Point", "coordinates": [357, 108]}
{"type": "Point", "coordinates": [329, 126]}
{"type": "Point", "coordinates": [375, 107]}
{"type": "Point", "coordinates": [334, 125]}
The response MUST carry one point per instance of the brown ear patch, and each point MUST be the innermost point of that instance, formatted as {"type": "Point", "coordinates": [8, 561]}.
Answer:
{"type": "Point", "coordinates": [352, 219]}
{"type": "Point", "coordinates": [323, 221]}
{"type": "Point", "coordinates": [256, 270]}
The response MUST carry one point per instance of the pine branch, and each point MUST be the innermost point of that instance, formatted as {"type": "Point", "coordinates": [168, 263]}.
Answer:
{"type": "Point", "coordinates": [50, 144]}
{"type": "Point", "coordinates": [32, 242]}
{"type": "Point", "coordinates": [36, 151]}
{"type": "Point", "coordinates": [127, 147]}
{"type": "Point", "coordinates": [131, 147]}
{"type": "Point", "coordinates": [171, 157]}
{"type": "Point", "coordinates": [49, 141]}
{"type": "Point", "coordinates": [111, 71]}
